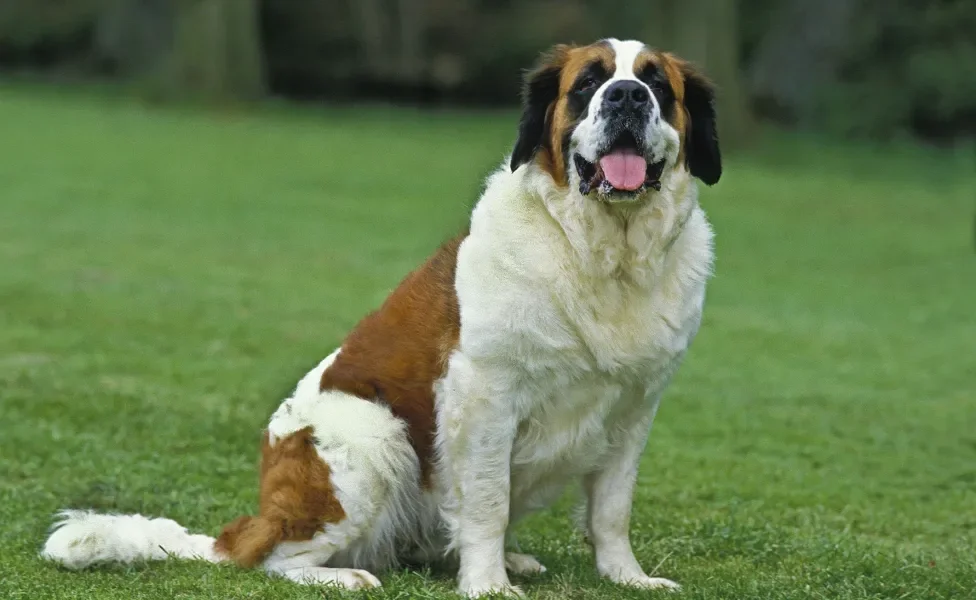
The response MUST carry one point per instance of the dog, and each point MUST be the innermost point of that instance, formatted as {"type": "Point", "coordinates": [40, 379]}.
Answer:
{"type": "Point", "coordinates": [525, 355]}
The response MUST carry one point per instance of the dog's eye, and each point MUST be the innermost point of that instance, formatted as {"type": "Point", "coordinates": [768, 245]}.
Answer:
{"type": "Point", "coordinates": [658, 84]}
{"type": "Point", "coordinates": [587, 83]}
{"type": "Point", "coordinates": [662, 89]}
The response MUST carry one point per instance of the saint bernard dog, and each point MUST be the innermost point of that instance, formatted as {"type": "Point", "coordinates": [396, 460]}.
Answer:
{"type": "Point", "coordinates": [527, 354]}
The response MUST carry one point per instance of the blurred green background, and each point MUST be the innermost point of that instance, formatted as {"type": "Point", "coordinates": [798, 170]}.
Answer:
{"type": "Point", "coordinates": [864, 67]}
{"type": "Point", "coordinates": [199, 198]}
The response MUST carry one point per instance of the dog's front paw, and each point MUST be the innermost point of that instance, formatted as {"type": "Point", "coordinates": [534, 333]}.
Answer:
{"type": "Point", "coordinates": [480, 589]}
{"type": "Point", "coordinates": [649, 583]}
{"type": "Point", "coordinates": [522, 564]}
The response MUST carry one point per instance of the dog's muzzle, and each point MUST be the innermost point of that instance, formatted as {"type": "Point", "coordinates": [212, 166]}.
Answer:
{"type": "Point", "coordinates": [622, 166]}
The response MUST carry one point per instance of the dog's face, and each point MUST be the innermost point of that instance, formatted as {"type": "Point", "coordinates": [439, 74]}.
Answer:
{"type": "Point", "coordinates": [616, 119]}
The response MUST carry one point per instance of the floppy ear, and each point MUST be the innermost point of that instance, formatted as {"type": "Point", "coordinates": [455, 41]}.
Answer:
{"type": "Point", "coordinates": [539, 91]}
{"type": "Point", "coordinates": [702, 153]}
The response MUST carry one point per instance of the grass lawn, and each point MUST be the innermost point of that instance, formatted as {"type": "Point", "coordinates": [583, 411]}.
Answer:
{"type": "Point", "coordinates": [166, 276]}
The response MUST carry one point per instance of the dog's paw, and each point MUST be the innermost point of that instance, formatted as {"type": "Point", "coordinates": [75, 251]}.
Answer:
{"type": "Point", "coordinates": [486, 589]}
{"type": "Point", "coordinates": [350, 579]}
{"type": "Point", "coordinates": [650, 583]}
{"type": "Point", "coordinates": [522, 564]}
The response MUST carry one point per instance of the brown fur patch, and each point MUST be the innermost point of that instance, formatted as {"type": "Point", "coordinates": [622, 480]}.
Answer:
{"type": "Point", "coordinates": [578, 59]}
{"type": "Point", "coordinates": [296, 501]}
{"type": "Point", "coordinates": [396, 354]}
{"type": "Point", "coordinates": [674, 69]}
{"type": "Point", "coordinates": [571, 61]}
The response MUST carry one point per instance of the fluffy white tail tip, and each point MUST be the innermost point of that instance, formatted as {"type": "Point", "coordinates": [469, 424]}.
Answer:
{"type": "Point", "coordinates": [81, 538]}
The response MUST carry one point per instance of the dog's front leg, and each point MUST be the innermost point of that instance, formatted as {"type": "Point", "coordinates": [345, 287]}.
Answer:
{"type": "Point", "coordinates": [479, 430]}
{"type": "Point", "coordinates": [610, 492]}
{"type": "Point", "coordinates": [484, 472]}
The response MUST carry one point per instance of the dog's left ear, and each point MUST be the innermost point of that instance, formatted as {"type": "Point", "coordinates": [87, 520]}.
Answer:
{"type": "Point", "coordinates": [540, 89]}
{"type": "Point", "coordinates": [702, 152]}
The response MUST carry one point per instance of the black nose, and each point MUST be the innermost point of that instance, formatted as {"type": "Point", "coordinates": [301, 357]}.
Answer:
{"type": "Point", "coordinates": [627, 94]}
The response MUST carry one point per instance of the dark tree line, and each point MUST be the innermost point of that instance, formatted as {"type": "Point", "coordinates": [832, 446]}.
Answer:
{"type": "Point", "coordinates": [801, 62]}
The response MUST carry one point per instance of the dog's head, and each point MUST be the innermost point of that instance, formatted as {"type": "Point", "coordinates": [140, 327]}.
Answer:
{"type": "Point", "coordinates": [616, 119]}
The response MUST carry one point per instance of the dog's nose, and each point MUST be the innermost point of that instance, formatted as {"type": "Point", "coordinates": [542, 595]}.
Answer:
{"type": "Point", "coordinates": [628, 94]}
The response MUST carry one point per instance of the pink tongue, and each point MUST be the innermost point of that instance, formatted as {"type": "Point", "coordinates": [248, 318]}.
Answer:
{"type": "Point", "coordinates": [624, 171]}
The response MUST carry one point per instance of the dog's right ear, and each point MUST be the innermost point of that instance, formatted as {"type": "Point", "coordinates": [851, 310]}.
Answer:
{"type": "Point", "coordinates": [539, 92]}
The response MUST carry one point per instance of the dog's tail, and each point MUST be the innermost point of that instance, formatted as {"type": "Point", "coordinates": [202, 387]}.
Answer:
{"type": "Point", "coordinates": [83, 538]}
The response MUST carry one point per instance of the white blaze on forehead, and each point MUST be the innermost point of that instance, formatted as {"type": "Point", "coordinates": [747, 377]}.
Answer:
{"type": "Point", "coordinates": [625, 55]}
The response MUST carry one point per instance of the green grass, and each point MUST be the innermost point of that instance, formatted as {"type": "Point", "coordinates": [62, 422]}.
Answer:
{"type": "Point", "coordinates": [166, 276]}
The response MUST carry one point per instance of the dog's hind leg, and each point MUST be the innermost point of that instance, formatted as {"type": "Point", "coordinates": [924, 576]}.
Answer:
{"type": "Point", "coordinates": [340, 492]}
{"type": "Point", "coordinates": [351, 579]}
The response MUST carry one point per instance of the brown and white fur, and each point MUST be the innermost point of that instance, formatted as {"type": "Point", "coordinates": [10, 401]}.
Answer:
{"type": "Point", "coordinates": [525, 355]}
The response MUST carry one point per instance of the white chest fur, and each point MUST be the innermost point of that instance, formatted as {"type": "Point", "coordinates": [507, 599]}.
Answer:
{"type": "Point", "coordinates": [574, 315]}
